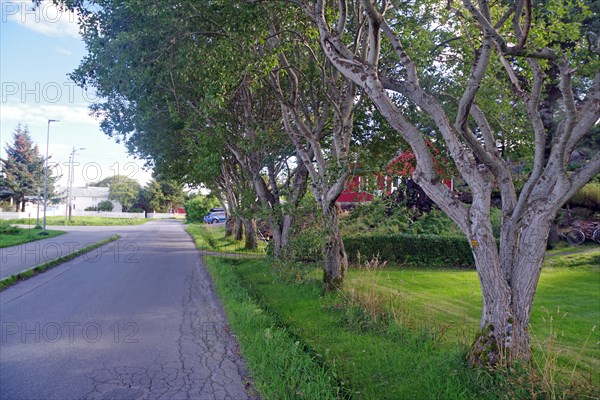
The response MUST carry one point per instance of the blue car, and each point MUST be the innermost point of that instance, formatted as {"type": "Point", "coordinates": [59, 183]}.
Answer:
{"type": "Point", "coordinates": [215, 216]}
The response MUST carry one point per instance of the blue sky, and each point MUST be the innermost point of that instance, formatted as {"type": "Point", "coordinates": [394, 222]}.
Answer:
{"type": "Point", "coordinates": [37, 51]}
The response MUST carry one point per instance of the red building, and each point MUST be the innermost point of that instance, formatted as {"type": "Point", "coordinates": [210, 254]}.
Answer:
{"type": "Point", "coordinates": [362, 186]}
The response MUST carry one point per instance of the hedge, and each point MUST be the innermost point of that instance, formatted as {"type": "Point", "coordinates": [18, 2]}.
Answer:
{"type": "Point", "coordinates": [423, 250]}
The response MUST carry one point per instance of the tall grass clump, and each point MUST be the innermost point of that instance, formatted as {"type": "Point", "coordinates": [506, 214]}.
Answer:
{"type": "Point", "coordinates": [366, 307]}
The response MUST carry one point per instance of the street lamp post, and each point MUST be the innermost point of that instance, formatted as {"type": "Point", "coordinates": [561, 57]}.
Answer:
{"type": "Point", "coordinates": [68, 188]}
{"type": "Point", "coordinates": [37, 218]}
{"type": "Point", "coordinates": [46, 175]}
{"type": "Point", "coordinates": [70, 181]}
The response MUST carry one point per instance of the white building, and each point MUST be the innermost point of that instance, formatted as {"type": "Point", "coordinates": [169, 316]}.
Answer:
{"type": "Point", "coordinates": [90, 196]}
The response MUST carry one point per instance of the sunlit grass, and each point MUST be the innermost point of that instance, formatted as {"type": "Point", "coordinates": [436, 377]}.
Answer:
{"type": "Point", "coordinates": [84, 221]}
{"type": "Point", "coordinates": [417, 351]}
{"type": "Point", "coordinates": [25, 236]}
{"type": "Point", "coordinates": [568, 292]}
{"type": "Point", "coordinates": [279, 366]}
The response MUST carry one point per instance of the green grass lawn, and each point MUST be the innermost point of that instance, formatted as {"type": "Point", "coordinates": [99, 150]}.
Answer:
{"type": "Point", "coordinates": [212, 238]}
{"type": "Point", "coordinates": [565, 316]}
{"type": "Point", "coordinates": [417, 349]}
{"type": "Point", "coordinates": [25, 236]}
{"type": "Point", "coordinates": [83, 221]}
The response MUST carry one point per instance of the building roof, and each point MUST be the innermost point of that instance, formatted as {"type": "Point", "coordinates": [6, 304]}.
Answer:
{"type": "Point", "coordinates": [90, 191]}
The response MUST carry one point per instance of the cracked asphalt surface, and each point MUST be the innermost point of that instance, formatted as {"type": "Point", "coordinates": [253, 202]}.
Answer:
{"type": "Point", "coordinates": [138, 320]}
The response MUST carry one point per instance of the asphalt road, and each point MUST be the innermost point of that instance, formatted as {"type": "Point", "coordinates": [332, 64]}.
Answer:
{"type": "Point", "coordinates": [137, 320]}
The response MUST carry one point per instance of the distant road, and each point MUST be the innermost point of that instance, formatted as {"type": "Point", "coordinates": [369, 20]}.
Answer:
{"type": "Point", "coordinates": [137, 320]}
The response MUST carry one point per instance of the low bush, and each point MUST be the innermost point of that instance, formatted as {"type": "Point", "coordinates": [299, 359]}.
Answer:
{"type": "Point", "coordinates": [429, 250]}
{"type": "Point", "coordinates": [307, 236]}
{"type": "Point", "coordinates": [198, 207]}
{"type": "Point", "coordinates": [8, 229]}
{"type": "Point", "coordinates": [379, 217]}
{"type": "Point", "coordinates": [105, 205]}
{"type": "Point", "coordinates": [588, 197]}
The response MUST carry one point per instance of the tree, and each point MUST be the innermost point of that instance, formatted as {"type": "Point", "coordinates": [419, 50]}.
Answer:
{"type": "Point", "coordinates": [498, 61]}
{"type": "Point", "coordinates": [161, 196]}
{"type": "Point", "coordinates": [152, 197]}
{"type": "Point", "coordinates": [318, 105]}
{"type": "Point", "coordinates": [124, 190]}
{"type": "Point", "coordinates": [183, 108]}
{"type": "Point", "coordinates": [23, 168]}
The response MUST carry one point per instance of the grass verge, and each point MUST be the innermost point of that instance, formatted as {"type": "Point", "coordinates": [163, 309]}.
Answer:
{"type": "Point", "coordinates": [13, 279]}
{"type": "Point", "coordinates": [417, 349]}
{"type": "Point", "coordinates": [279, 365]}
{"type": "Point", "coordinates": [212, 238]}
{"type": "Point", "coordinates": [369, 362]}
{"type": "Point", "coordinates": [84, 221]}
{"type": "Point", "coordinates": [21, 236]}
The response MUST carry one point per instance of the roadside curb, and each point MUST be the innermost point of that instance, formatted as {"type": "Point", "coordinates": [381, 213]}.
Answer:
{"type": "Point", "coordinates": [33, 271]}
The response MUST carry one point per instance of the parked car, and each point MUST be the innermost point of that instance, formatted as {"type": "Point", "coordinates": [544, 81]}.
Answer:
{"type": "Point", "coordinates": [214, 217]}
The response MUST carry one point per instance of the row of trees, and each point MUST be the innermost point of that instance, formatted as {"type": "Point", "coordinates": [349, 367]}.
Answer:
{"type": "Point", "coordinates": [159, 195]}
{"type": "Point", "coordinates": [261, 100]}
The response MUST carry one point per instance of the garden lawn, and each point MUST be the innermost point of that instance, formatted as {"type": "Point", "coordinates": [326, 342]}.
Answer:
{"type": "Point", "coordinates": [25, 236]}
{"type": "Point", "coordinates": [565, 317]}
{"type": "Point", "coordinates": [84, 221]}
{"type": "Point", "coordinates": [418, 351]}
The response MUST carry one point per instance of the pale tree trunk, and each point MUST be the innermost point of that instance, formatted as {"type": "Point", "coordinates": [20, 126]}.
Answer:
{"type": "Point", "coordinates": [336, 261]}
{"type": "Point", "coordinates": [251, 242]}
{"type": "Point", "coordinates": [508, 299]}
{"type": "Point", "coordinates": [281, 234]}
{"type": "Point", "coordinates": [318, 116]}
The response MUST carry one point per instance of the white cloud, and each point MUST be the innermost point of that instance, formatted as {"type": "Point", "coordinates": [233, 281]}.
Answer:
{"type": "Point", "coordinates": [34, 115]}
{"type": "Point", "coordinates": [47, 19]}
{"type": "Point", "coordinates": [64, 51]}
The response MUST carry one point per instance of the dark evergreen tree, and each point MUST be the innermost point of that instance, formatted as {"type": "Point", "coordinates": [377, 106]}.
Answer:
{"type": "Point", "coordinates": [23, 168]}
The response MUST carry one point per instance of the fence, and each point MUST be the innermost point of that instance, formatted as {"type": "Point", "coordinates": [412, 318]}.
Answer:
{"type": "Point", "coordinates": [106, 214]}
{"type": "Point", "coordinates": [165, 215]}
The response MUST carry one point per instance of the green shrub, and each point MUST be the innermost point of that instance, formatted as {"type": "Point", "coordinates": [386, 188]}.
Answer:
{"type": "Point", "coordinates": [307, 236]}
{"type": "Point", "coordinates": [8, 229]}
{"type": "Point", "coordinates": [426, 250]}
{"type": "Point", "coordinates": [198, 207]}
{"type": "Point", "coordinates": [105, 205]}
{"type": "Point", "coordinates": [588, 197]}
